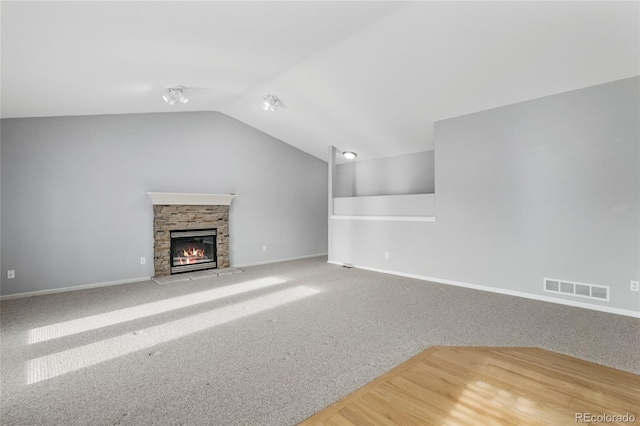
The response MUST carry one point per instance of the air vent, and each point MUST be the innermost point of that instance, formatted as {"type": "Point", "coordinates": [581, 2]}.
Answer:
{"type": "Point", "coordinates": [582, 290]}
{"type": "Point", "coordinates": [552, 285]}
{"type": "Point", "coordinates": [600, 293]}
{"type": "Point", "coordinates": [590, 291]}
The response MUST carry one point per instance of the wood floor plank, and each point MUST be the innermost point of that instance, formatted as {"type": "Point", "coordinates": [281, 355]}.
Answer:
{"type": "Point", "coordinates": [427, 410]}
{"type": "Point", "coordinates": [488, 386]}
{"type": "Point", "coordinates": [374, 402]}
{"type": "Point", "coordinates": [336, 420]}
{"type": "Point", "coordinates": [361, 413]}
{"type": "Point", "coordinates": [544, 383]}
{"type": "Point", "coordinates": [442, 408]}
{"type": "Point", "coordinates": [467, 400]}
{"type": "Point", "coordinates": [549, 387]}
{"type": "Point", "coordinates": [583, 371]}
{"type": "Point", "coordinates": [482, 381]}
{"type": "Point", "coordinates": [599, 387]}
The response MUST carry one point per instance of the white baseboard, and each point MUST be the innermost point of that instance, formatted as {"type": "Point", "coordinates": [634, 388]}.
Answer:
{"type": "Point", "coordinates": [133, 280]}
{"type": "Point", "coordinates": [576, 304]}
{"type": "Point", "coordinates": [74, 288]}
{"type": "Point", "coordinates": [242, 265]}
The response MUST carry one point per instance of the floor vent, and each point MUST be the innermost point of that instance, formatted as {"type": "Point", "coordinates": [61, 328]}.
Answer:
{"type": "Point", "coordinates": [590, 291]}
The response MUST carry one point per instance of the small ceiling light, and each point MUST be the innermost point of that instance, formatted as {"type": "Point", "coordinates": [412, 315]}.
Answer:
{"type": "Point", "coordinates": [271, 103]}
{"type": "Point", "coordinates": [174, 94]}
{"type": "Point", "coordinates": [349, 155]}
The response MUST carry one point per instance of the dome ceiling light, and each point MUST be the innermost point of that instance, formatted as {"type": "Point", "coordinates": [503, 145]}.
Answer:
{"type": "Point", "coordinates": [349, 155]}
{"type": "Point", "coordinates": [270, 103]}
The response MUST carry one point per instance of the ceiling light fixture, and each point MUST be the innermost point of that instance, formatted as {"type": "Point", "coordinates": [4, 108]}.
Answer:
{"type": "Point", "coordinates": [170, 99]}
{"type": "Point", "coordinates": [349, 155]}
{"type": "Point", "coordinates": [174, 94]}
{"type": "Point", "coordinates": [182, 98]}
{"type": "Point", "coordinates": [271, 103]}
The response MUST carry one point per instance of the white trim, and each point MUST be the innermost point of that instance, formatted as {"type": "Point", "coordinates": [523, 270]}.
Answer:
{"type": "Point", "coordinates": [243, 265]}
{"type": "Point", "coordinates": [576, 304]}
{"type": "Point", "coordinates": [175, 198]}
{"type": "Point", "coordinates": [390, 218]}
{"type": "Point", "coordinates": [74, 288]}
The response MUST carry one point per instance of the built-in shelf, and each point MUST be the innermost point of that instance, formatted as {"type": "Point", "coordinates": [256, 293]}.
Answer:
{"type": "Point", "coordinates": [182, 198]}
{"type": "Point", "coordinates": [388, 218]}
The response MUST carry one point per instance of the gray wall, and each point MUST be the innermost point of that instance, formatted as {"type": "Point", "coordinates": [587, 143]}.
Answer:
{"type": "Point", "coordinates": [74, 209]}
{"type": "Point", "coordinates": [3, 271]}
{"type": "Point", "coordinates": [544, 188]}
{"type": "Point", "coordinates": [402, 174]}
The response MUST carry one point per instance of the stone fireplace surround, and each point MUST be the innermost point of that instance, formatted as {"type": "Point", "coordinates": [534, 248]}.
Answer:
{"type": "Point", "coordinates": [181, 211]}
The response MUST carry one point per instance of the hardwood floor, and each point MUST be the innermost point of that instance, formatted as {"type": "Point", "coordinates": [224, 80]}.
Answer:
{"type": "Point", "coordinates": [490, 386]}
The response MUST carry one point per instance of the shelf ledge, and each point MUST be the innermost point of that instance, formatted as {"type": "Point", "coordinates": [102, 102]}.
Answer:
{"type": "Point", "coordinates": [388, 218]}
{"type": "Point", "coordinates": [181, 198]}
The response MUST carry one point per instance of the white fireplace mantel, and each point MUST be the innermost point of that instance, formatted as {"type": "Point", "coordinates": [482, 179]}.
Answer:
{"type": "Point", "coordinates": [181, 198]}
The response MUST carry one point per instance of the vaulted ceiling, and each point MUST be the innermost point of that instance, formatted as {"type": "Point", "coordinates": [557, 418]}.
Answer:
{"type": "Point", "coordinates": [371, 77]}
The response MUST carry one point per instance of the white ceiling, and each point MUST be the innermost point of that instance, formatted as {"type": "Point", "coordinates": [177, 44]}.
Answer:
{"type": "Point", "coordinates": [371, 77]}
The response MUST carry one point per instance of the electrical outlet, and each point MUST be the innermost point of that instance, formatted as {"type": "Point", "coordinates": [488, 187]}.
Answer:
{"type": "Point", "coordinates": [386, 254]}
{"type": "Point", "coordinates": [635, 286]}
{"type": "Point", "coordinates": [143, 260]}
{"type": "Point", "coordinates": [11, 274]}
{"type": "Point", "coordinates": [264, 248]}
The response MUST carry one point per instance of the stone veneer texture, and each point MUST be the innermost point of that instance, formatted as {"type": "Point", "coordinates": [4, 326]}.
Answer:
{"type": "Point", "coordinates": [167, 218]}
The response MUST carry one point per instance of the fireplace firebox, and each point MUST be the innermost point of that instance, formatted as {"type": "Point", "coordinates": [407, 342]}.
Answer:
{"type": "Point", "coordinates": [193, 250]}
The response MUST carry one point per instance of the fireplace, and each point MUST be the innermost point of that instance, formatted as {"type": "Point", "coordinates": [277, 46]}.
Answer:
{"type": "Point", "coordinates": [193, 250]}
{"type": "Point", "coordinates": [174, 213]}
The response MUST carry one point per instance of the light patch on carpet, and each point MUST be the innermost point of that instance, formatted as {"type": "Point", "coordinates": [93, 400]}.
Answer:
{"type": "Point", "coordinates": [54, 365]}
{"type": "Point", "coordinates": [67, 328]}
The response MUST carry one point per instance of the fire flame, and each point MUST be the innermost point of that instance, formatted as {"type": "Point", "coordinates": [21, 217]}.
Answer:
{"type": "Point", "coordinates": [191, 255]}
{"type": "Point", "coordinates": [193, 252]}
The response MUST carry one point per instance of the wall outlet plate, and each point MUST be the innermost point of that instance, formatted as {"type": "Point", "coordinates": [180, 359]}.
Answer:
{"type": "Point", "coordinates": [143, 260]}
{"type": "Point", "coordinates": [11, 274]}
{"type": "Point", "coordinates": [635, 285]}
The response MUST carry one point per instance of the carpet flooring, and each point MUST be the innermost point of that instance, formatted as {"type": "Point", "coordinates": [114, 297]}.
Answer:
{"type": "Point", "coordinates": [269, 346]}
